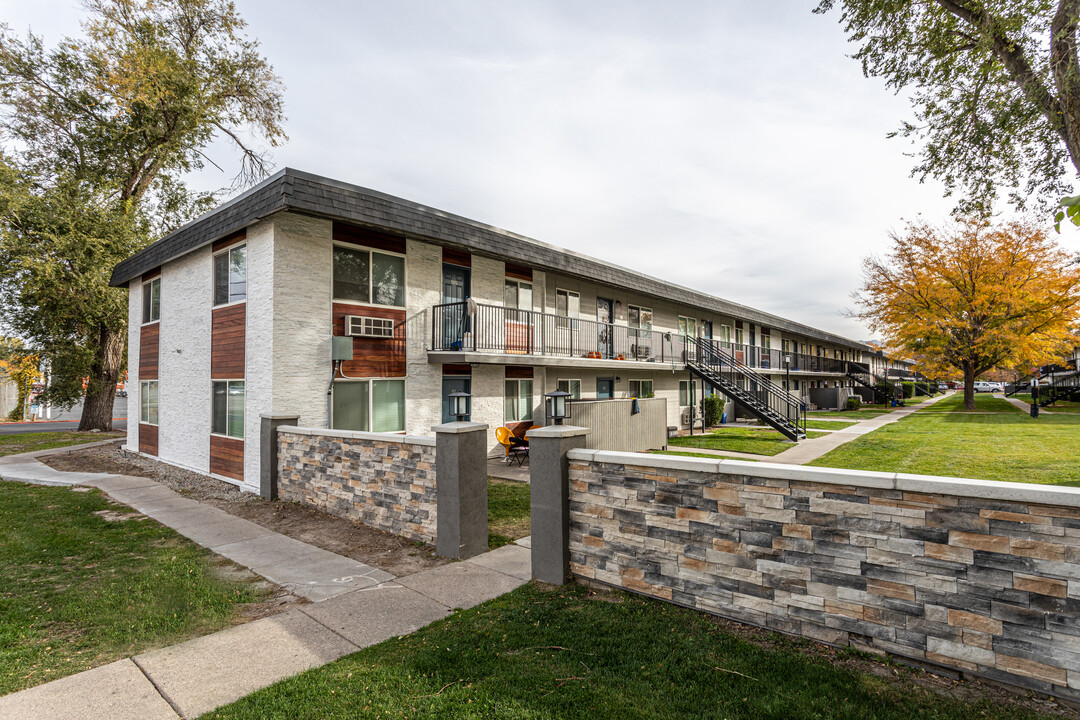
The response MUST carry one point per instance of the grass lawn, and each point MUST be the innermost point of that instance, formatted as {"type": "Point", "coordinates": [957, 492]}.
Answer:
{"type": "Point", "coordinates": [828, 424]}
{"type": "Point", "coordinates": [992, 445]}
{"type": "Point", "coordinates": [508, 511]}
{"type": "Point", "coordinates": [699, 455]}
{"type": "Point", "coordinates": [758, 442]}
{"type": "Point", "coordinates": [33, 441]}
{"type": "Point", "coordinates": [984, 402]}
{"type": "Point", "coordinates": [573, 653]}
{"type": "Point", "coordinates": [864, 413]}
{"type": "Point", "coordinates": [80, 590]}
{"type": "Point", "coordinates": [1062, 405]}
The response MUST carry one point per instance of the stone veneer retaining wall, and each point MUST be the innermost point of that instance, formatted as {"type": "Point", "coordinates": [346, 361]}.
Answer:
{"type": "Point", "coordinates": [385, 481]}
{"type": "Point", "coordinates": [978, 576]}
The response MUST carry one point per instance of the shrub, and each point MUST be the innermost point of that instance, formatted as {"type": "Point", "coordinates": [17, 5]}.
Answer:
{"type": "Point", "coordinates": [854, 402]}
{"type": "Point", "coordinates": [712, 410]}
{"type": "Point", "coordinates": [909, 389]}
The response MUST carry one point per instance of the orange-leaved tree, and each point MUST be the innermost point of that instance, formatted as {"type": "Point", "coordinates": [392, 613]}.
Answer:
{"type": "Point", "coordinates": [972, 296]}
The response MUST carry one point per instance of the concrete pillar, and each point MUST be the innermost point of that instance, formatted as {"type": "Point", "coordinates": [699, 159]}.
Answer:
{"type": "Point", "coordinates": [549, 473]}
{"type": "Point", "coordinates": [268, 453]}
{"type": "Point", "coordinates": [461, 489]}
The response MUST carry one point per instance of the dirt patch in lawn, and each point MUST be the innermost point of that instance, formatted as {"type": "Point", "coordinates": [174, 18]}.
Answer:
{"type": "Point", "coordinates": [392, 553]}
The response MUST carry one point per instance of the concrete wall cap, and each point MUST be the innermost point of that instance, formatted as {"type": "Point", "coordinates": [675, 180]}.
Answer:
{"type": "Point", "coordinates": [1028, 493]}
{"type": "Point", "coordinates": [558, 431]}
{"type": "Point", "coordinates": [459, 427]}
{"type": "Point", "coordinates": [358, 435]}
{"type": "Point", "coordinates": [800, 473]}
{"type": "Point", "coordinates": [660, 462]}
{"type": "Point", "coordinates": [279, 416]}
{"type": "Point", "coordinates": [581, 454]}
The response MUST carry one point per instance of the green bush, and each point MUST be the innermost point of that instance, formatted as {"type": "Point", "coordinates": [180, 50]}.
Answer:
{"type": "Point", "coordinates": [909, 389]}
{"type": "Point", "coordinates": [853, 403]}
{"type": "Point", "coordinates": [712, 410]}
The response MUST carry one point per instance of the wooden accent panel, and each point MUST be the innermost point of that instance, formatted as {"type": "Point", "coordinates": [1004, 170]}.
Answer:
{"type": "Point", "coordinates": [518, 429]}
{"type": "Point", "coordinates": [450, 256]}
{"type": "Point", "coordinates": [738, 325]}
{"type": "Point", "coordinates": [238, 236]}
{"type": "Point", "coordinates": [373, 357]}
{"type": "Point", "coordinates": [514, 372]}
{"type": "Point", "coordinates": [227, 457]}
{"type": "Point", "coordinates": [151, 274]}
{"type": "Point", "coordinates": [344, 232]}
{"type": "Point", "coordinates": [764, 331]}
{"type": "Point", "coordinates": [148, 435]}
{"type": "Point", "coordinates": [450, 369]}
{"type": "Point", "coordinates": [519, 272]}
{"type": "Point", "coordinates": [148, 351]}
{"type": "Point", "coordinates": [227, 346]}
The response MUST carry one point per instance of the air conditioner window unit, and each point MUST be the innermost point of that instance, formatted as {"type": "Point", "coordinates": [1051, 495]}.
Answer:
{"type": "Point", "coordinates": [685, 418]}
{"type": "Point", "coordinates": [369, 327]}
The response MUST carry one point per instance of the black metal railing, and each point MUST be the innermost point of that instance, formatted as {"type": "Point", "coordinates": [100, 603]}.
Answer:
{"type": "Point", "coordinates": [1061, 386]}
{"type": "Point", "coordinates": [753, 391]}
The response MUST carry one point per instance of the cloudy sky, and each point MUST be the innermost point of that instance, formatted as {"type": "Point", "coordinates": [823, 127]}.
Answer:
{"type": "Point", "coordinates": [731, 147]}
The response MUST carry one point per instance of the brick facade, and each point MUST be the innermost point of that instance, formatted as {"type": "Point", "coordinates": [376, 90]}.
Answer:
{"type": "Point", "coordinates": [384, 481]}
{"type": "Point", "coordinates": [965, 574]}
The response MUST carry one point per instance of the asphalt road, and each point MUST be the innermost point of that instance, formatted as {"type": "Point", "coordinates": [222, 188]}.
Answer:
{"type": "Point", "coordinates": [66, 420]}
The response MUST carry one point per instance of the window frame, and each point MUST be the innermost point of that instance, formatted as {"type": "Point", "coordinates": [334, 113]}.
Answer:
{"type": "Point", "coordinates": [685, 394]}
{"type": "Point", "coordinates": [149, 308]}
{"type": "Point", "coordinates": [559, 386]}
{"type": "Point", "coordinates": [519, 282]}
{"type": "Point", "coordinates": [228, 383]}
{"type": "Point", "coordinates": [371, 288]}
{"type": "Point", "coordinates": [725, 333]}
{"type": "Point", "coordinates": [371, 402]}
{"type": "Point", "coordinates": [640, 395]}
{"type": "Point", "coordinates": [213, 275]}
{"type": "Point", "coordinates": [517, 382]}
{"type": "Point", "coordinates": [690, 323]}
{"type": "Point", "coordinates": [571, 321]}
{"type": "Point", "coordinates": [144, 392]}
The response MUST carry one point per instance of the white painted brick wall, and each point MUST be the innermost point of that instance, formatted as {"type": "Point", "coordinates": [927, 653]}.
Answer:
{"type": "Point", "coordinates": [184, 391]}
{"type": "Point", "coordinates": [134, 323]}
{"type": "Point", "coordinates": [259, 361]}
{"type": "Point", "coordinates": [423, 388]}
{"type": "Point", "coordinates": [488, 280]}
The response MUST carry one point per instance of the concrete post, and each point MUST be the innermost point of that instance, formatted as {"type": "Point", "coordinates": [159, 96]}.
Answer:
{"type": "Point", "coordinates": [549, 477]}
{"type": "Point", "coordinates": [461, 489]}
{"type": "Point", "coordinates": [268, 452]}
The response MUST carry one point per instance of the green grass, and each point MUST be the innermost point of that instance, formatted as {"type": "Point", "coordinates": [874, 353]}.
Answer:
{"type": "Point", "coordinates": [569, 652]}
{"type": "Point", "coordinates": [34, 441]}
{"type": "Point", "coordinates": [984, 402]}
{"type": "Point", "coordinates": [699, 455]}
{"type": "Point", "coordinates": [865, 413]}
{"type": "Point", "coordinates": [80, 591]}
{"type": "Point", "coordinates": [1005, 445]}
{"type": "Point", "coordinates": [828, 424]}
{"type": "Point", "coordinates": [758, 442]}
{"type": "Point", "coordinates": [508, 511]}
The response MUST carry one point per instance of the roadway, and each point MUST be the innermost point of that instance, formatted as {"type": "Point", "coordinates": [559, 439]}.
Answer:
{"type": "Point", "coordinates": [65, 420]}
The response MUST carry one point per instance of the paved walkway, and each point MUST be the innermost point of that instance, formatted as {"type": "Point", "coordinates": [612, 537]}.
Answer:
{"type": "Point", "coordinates": [1026, 407]}
{"type": "Point", "coordinates": [354, 606]}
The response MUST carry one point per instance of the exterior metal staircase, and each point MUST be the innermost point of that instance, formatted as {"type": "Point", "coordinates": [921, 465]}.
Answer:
{"type": "Point", "coordinates": [860, 373]}
{"type": "Point", "coordinates": [754, 393]}
{"type": "Point", "coordinates": [1060, 388]}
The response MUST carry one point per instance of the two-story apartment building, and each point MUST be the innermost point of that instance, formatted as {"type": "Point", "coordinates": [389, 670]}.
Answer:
{"type": "Point", "coordinates": [233, 315]}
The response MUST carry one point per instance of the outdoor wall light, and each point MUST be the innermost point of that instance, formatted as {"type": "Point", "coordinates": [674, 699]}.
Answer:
{"type": "Point", "coordinates": [459, 404]}
{"type": "Point", "coordinates": [558, 407]}
{"type": "Point", "coordinates": [787, 359]}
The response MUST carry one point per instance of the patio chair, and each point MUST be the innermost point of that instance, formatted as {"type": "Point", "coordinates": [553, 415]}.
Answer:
{"type": "Point", "coordinates": [514, 447]}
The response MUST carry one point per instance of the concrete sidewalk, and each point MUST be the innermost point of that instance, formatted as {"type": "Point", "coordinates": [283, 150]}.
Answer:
{"type": "Point", "coordinates": [808, 450]}
{"type": "Point", "coordinates": [356, 605]}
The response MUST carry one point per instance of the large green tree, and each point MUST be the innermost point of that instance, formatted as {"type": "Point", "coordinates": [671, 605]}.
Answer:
{"type": "Point", "coordinates": [995, 87]}
{"type": "Point", "coordinates": [101, 132]}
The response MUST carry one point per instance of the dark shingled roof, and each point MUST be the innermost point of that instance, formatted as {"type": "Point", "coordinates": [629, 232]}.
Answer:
{"type": "Point", "coordinates": [309, 194]}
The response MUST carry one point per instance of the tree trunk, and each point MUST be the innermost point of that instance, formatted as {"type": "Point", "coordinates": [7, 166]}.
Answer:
{"type": "Point", "coordinates": [969, 386]}
{"type": "Point", "coordinates": [101, 386]}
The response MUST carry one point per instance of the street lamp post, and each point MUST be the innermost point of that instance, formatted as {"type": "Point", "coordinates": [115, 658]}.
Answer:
{"type": "Point", "coordinates": [787, 372]}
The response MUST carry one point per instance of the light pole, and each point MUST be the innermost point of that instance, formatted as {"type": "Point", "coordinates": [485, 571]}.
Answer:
{"type": "Point", "coordinates": [787, 372]}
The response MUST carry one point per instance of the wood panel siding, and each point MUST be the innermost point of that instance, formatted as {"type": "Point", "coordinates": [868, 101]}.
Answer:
{"type": "Point", "coordinates": [373, 357]}
{"type": "Point", "coordinates": [461, 258]}
{"type": "Point", "coordinates": [227, 457]}
{"type": "Point", "coordinates": [514, 372]}
{"type": "Point", "coordinates": [519, 272]}
{"type": "Point", "coordinates": [148, 351]}
{"type": "Point", "coordinates": [343, 232]}
{"type": "Point", "coordinates": [238, 236]}
{"type": "Point", "coordinates": [151, 274]}
{"type": "Point", "coordinates": [227, 342]}
{"type": "Point", "coordinates": [148, 439]}
{"type": "Point", "coordinates": [450, 369]}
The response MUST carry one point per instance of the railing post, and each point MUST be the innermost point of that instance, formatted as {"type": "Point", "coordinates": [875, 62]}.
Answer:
{"type": "Point", "coordinates": [549, 489]}
{"type": "Point", "coordinates": [461, 489]}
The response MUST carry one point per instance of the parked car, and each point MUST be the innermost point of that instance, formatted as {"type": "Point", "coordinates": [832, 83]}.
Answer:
{"type": "Point", "coordinates": [942, 386]}
{"type": "Point", "coordinates": [985, 386]}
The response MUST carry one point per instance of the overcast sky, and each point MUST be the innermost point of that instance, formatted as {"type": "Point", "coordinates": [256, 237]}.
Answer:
{"type": "Point", "coordinates": [731, 147]}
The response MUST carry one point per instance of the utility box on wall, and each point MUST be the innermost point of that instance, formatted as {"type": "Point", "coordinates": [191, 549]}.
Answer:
{"type": "Point", "coordinates": [342, 348]}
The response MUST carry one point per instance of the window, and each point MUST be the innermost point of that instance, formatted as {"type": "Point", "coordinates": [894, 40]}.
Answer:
{"type": "Point", "coordinates": [684, 393]}
{"type": "Point", "coordinates": [725, 333]}
{"type": "Point", "coordinates": [230, 275]}
{"type": "Point", "coordinates": [687, 327]}
{"type": "Point", "coordinates": [766, 342]}
{"type": "Point", "coordinates": [369, 405]}
{"type": "Point", "coordinates": [738, 336]}
{"type": "Point", "coordinates": [571, 386]}
{"type": "Point", "coordinates": [518, 400]}
{"type": "Point", "coordinates": [151, 301]}
{"type": "Point", "coordinates": [228, 409]}
{"type": "Point", "coordinates": [366, 276]}
{"type": "Point", "coordinates": [568, 305]}
{"type": "Point", "coordinates": [518, 295]}
{"type": "Point", "coordinates": [641, 388]}
{"type": "Point", "coordinates": [640, 317]}
{"type": "Point", "coordinates": [148, 402]}
{"type": "Point", "coordinates": [786, 344]}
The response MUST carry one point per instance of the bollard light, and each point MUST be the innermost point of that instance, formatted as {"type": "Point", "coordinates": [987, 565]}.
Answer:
{"type": "Point", "coordinates": [459, 404]}
{"type": "Point", "coordinates": [558, 406]}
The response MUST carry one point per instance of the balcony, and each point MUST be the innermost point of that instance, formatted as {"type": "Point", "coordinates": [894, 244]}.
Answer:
{"type": "Point", "coordinates": [492, 333]}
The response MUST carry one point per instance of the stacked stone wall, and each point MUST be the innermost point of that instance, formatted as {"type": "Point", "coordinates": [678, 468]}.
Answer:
{"type": "Point", "coordinates": [384, 481]}
{"type": "Point", "coordinates": [977, 576]}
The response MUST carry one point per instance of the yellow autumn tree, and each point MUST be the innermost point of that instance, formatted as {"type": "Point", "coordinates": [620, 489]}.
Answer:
{"type": "Point", "coordinates": [972, 296]}
{"type": "Point", "coordinates": [20, 365]}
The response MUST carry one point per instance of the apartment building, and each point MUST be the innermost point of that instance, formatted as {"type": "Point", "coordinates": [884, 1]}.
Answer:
{"type": "Point", "coordinates": [233, 316]}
